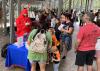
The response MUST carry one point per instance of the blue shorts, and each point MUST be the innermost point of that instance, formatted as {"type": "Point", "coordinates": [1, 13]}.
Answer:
{"type": "Point", "coordinates": [67, 41]}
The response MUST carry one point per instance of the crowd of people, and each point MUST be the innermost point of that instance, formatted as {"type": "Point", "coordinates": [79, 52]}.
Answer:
{"type": "Point", "coordinates": [49, 37]}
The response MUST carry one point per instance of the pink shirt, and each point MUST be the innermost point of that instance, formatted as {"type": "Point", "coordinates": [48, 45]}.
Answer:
{"type": "Point", "coordinates": [88, 35]}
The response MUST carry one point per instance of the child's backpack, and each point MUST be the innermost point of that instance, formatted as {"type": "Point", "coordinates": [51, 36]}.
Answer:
{"type": "Point", "coordinates": [39, 43]}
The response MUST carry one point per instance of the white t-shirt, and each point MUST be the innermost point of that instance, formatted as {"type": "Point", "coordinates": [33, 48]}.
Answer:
{"type": "Point", "coordinates": [60, 27]}
{"type": "Point", "coordinates": [97, 47]}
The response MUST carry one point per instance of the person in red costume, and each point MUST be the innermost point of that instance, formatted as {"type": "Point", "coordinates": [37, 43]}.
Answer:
{"type": "Point", "coordinates": [23, 24]}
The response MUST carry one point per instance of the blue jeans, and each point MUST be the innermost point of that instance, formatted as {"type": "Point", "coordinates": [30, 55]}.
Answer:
{"type": "Point", "coordinates": [25, 37]}
{"type": "Point", "coordinates": [56, 66]}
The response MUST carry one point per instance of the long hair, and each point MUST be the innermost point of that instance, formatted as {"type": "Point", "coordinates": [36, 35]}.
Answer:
{"type": "Point", "coordinates": [43, 21]}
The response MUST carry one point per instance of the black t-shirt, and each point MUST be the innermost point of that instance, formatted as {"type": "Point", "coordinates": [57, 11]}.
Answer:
{"type": "Point", "coordinates": [68, 25]}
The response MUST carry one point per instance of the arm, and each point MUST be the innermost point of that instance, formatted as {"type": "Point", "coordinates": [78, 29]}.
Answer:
{"type": "Point", "coordinates": [77, 43]}
{"type": "Point", "coordinates": [68, 31]}
{"type": "Point", "coordinates": [29, 22]}
{"type": "Point", "coordinates": [31, 36]}
{"type": "Point", "coordinates": [49, 39]}
{"type": "Point", "coordinates": [80, 36]}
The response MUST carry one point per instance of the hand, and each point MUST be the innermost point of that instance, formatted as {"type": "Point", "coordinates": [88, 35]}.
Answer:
{"type": "Point", "coordinates": [27, 24]}
{"type": "Point", "coordinates": [28, 42]}
{"type": "Point", "coordinates": [76, 47]}
{"type": "Point", "coordinates": [62, 30]}
{"type": "Point", "coordinates": [75, 50]}
{"type": "Point", "coordinates": [25, 34]}
{"type": "Point", "coordinates": [54, 48]}
{"type": "Point", "coordinates": [55, 59]}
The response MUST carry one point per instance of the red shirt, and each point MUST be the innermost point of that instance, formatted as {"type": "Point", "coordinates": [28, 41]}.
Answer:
{"type": "Point", "coordinates": [20, 23]}
{"type": "Point", "coordinates": [88, 35]}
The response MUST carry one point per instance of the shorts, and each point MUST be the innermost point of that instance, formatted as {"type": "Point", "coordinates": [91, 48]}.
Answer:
{"type": "Point", "coordinates": [67, 41]}
{"type": "Point", "coordinates": [84, 57]}
{"type": "Point", "coordinates": [40, 62]}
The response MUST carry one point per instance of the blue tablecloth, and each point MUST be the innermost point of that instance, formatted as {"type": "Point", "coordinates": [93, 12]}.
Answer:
{"type": "Point", "coordinates": [17, 56]}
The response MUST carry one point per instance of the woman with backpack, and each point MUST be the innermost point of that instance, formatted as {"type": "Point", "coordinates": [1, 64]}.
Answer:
{"type": "Point", "coordinates": [39, 41]}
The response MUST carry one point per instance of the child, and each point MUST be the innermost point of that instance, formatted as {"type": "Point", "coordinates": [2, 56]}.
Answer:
{"type": "Point", "coordinates": [55, 51]}
{"type": "Point", "coordinates": [55, 58]}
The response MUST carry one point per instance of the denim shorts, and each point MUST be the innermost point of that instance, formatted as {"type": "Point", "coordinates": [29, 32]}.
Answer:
{"type": "Point", "coordinates": [67, 40]}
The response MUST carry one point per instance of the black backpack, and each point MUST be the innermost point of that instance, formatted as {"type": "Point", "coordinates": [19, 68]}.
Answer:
{"type": "Point", "coordinates": [4, 50]}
